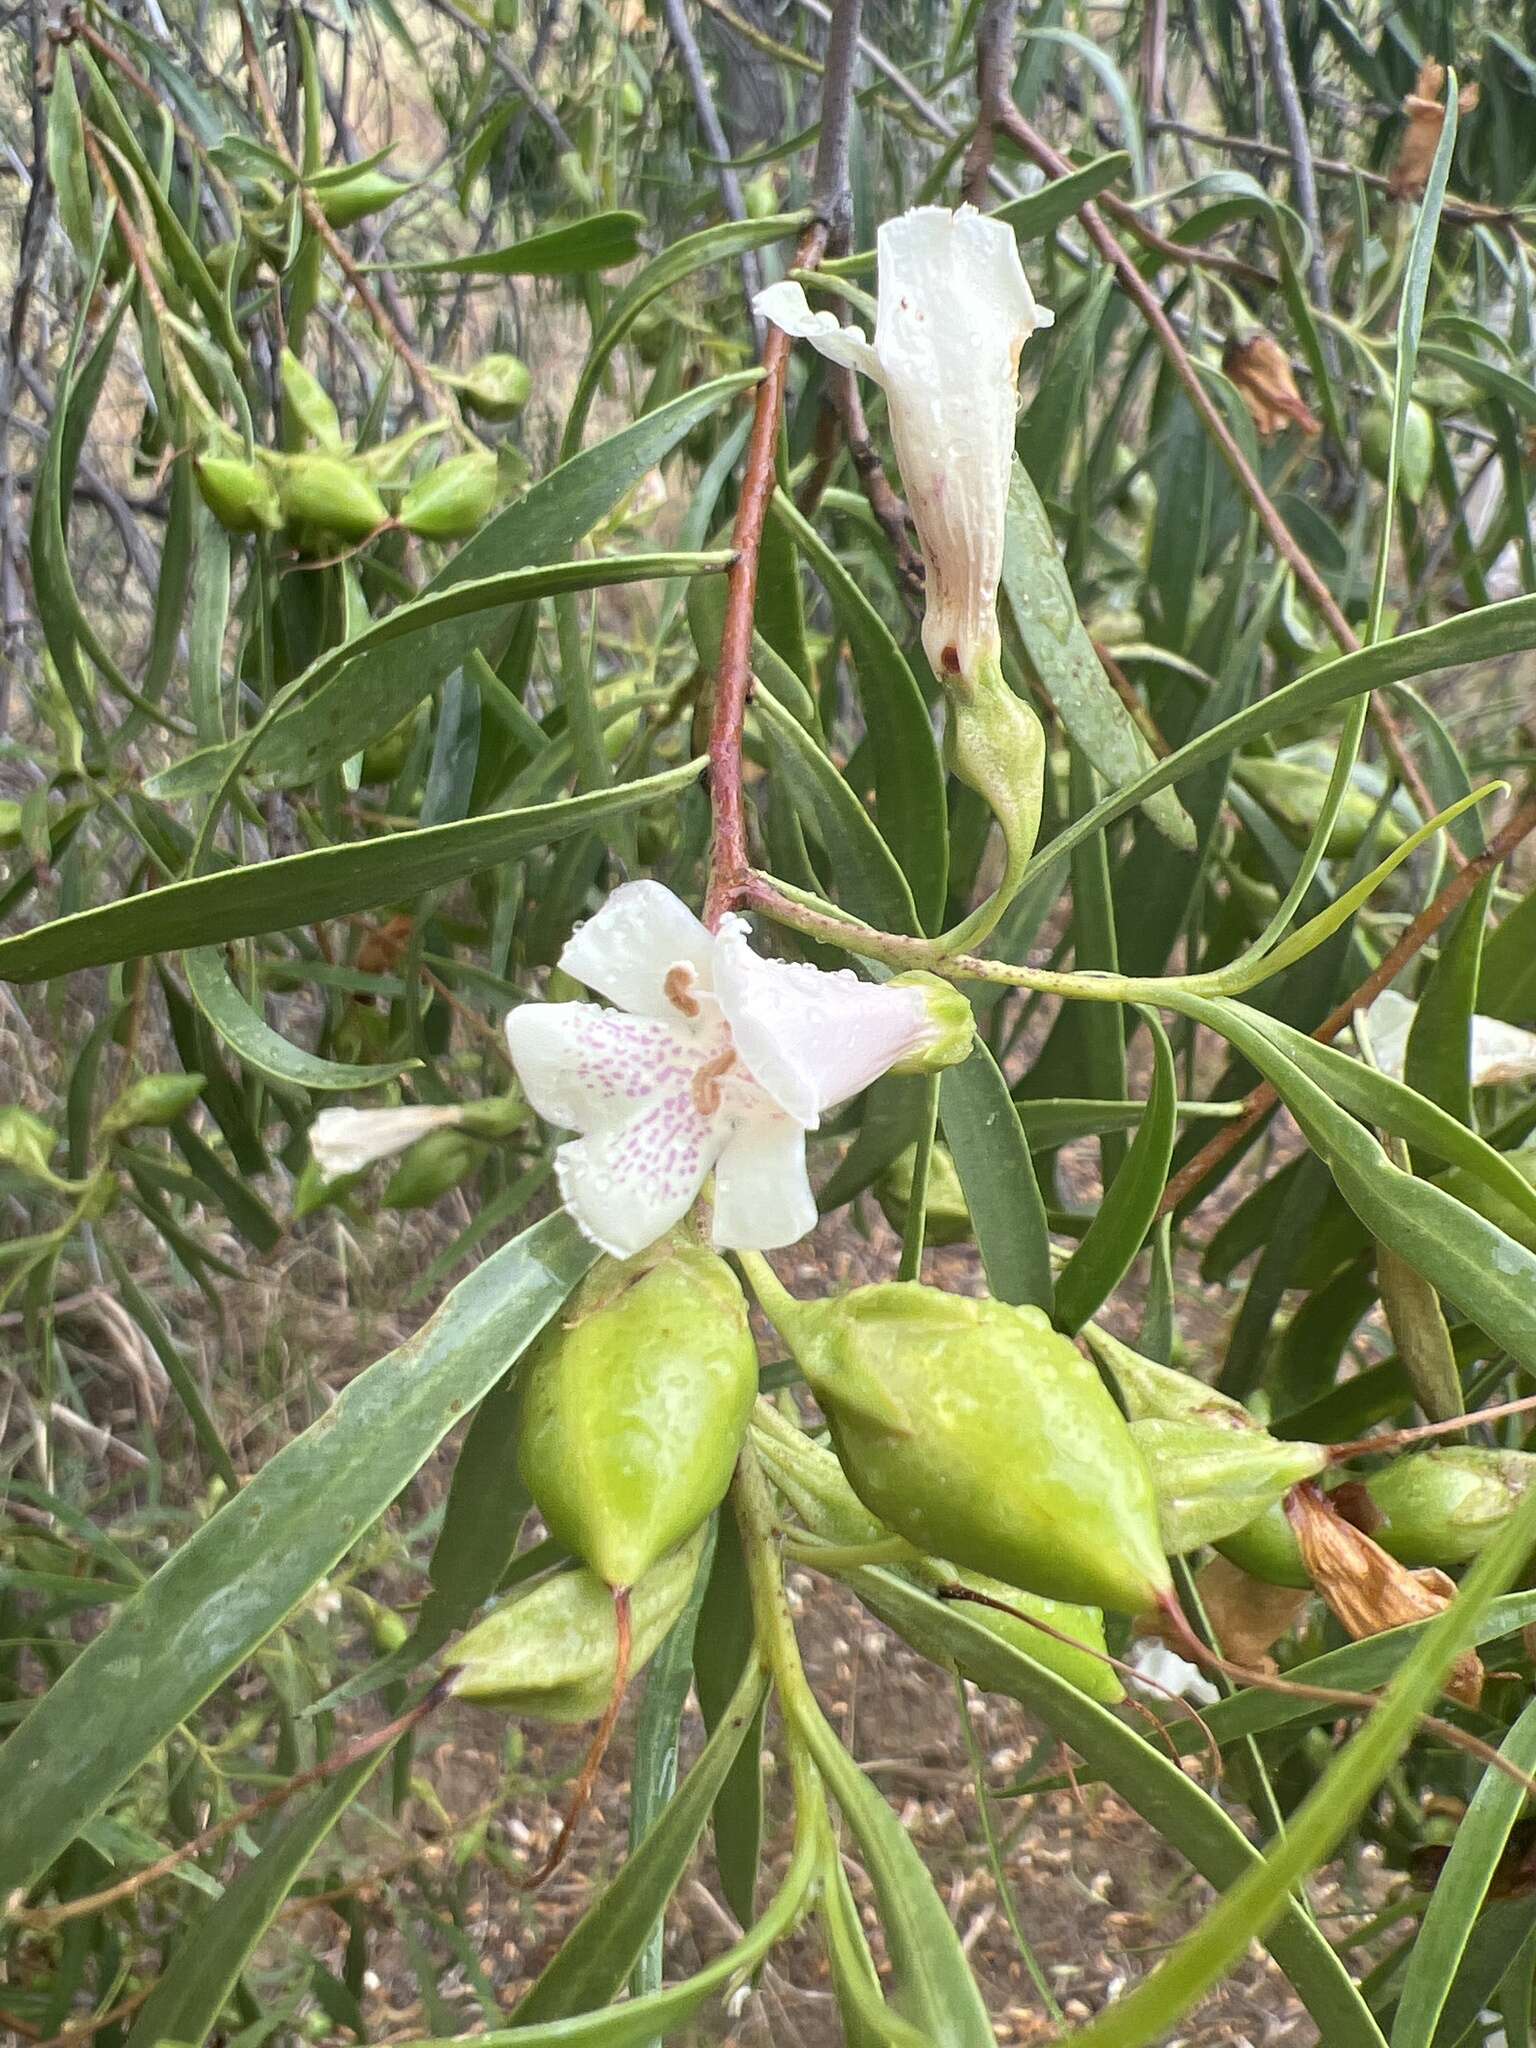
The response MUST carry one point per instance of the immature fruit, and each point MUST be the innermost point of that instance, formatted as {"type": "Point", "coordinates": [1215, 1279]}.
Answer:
{"type": "Point", "coordinates": [760, 196]}
{"type": "Point", "coordinates": [330, 495]}
{"type": "Point", "coordinates": [1442, 1506]}
{"type": "Point", "coordinates": [947, 1220]}
{"type": "Point", "coordinates": [452, 500]}
{"type": "Point", "coordinates": [154, 1099]}
{"type": "Point", "coordinates": [977, 1432]}
{"type": "Point", "coordinates": [635, 1406]}
{"type": "Point", "coordinates": [348, 199]}
{"type": "Point", "coordinates": [497, 387]}
{"type": "Point", "coordinates": [433, 1166]}
{"type": "Point", "coordinates": [240, 495]}
{"type": "Point", "coordinates": [1417, 462]}
{"type": "Point", "coordinates": [1211, 1480]}
{"type": "Point", "coordinates": [550, 1650]}
{"type": "Point", "coordinates": [1267, 1549]}
{"type": "Point", "coordinates": [308, 402]}
{"type": "Point", "coordinates": [383, 758]}
{"type": "Point", "coordinates": [631, 100]}
{"type": "Point", "coordinates": [1293, 791]}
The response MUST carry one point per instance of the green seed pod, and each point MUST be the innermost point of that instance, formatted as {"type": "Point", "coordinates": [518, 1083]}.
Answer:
{"type": "Point", "coordinates": [812, 1481]}
{"type": "Point", "coordinates": [631, 100]}
{"type": "Point", "coordinates": [308, 401]}
{"type": "Point", "coordinates": [331, 495]}
{"type": "Point", "coordinates": [452, 500]}
{"type": "Point", "coordinates": [1158, 1393]}
{"type": "Point", "coordinates": [353, 197]}
{"type": "Point", "coordinates": [635, 1406]}
{"type": "Point", "coordinates": [550, 1649]}
{"type": "Point", "coordinates": [760, 196]}
{"type": "Point", "coordinates": [383, 758]}
{"type": "Point", "coordinates": [28, 1145]}
{"type": "Point", "coordinates": [1267, 1549]}
{"type": "Point", "coordinates": [1417, 461]}
{"type": "Point", "coordinates": [154, 1099]}
{"type": "Point", "coordinates": [433, 1165]}
{"type": "Point", "coordinates": [1212, 1481]}
{"type": "Point", "coordinates": [240, 495]}
{"type": "Point", "coordinates": [1442, 1506]}
{"type": "Point", "coordinates": [497, 387]}
{"type": "Point", "coordinates": [947, 1219]}
{"type": "Point", "coordinates": [1293, 791]}
{"type": "Point", "coordinates": [979, 1434]}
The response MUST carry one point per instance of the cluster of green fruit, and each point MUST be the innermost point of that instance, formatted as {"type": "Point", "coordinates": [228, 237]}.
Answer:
{"type": "Point", "coordinates": [322, 492]}
{"type": "Point", "coordinates": [973, 1449]}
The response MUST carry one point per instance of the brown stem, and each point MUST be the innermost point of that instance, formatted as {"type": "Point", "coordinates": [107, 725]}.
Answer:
{"type": "Point", "coordinates": [843, 390]}
{"type": "Point", "coordinates": [1394, 1439]}
{"type": "Point", "coordinates": [320, 227]}
{"type": "Point", "coordinates": [994, 89]}
{"type": "Point", "coordinates": [1188, 1180]}
{"type": "Point", "coordinates": [1125, 690]}
{"type": "Point", "coordinates": [598, 1749]}
{"type": "Point", "coordinates": [1147, 303]}
{"type": "Point", "coordinates": [72, 1909]}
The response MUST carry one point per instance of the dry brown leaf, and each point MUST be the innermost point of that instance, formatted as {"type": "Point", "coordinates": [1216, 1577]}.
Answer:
{"type": "Point", "coordinates": [1260, 369]}
{"type": "Point", "coordinates": [1425, 112]}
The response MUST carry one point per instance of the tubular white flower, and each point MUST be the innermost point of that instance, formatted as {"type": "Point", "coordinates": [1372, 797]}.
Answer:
{"type": "Point", "coordinates": [1500, 1053]}
{"type": "Point", "coordinates": [716, 1061]}
{"type": "Point", "coordinates": [955, 310]}
{"type": "Point", "coordinates": [343, 1141]}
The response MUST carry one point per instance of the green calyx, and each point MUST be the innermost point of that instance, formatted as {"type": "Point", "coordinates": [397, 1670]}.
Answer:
{"type": "Point", "coordinates": [975, 1431]}
{"type": "Point", "coordinates": [995, 745]}
{"type": "Point", "coordinates": [951, 1024]}
{"type": "Point", "coordinates": [432, 1166]}
{"type": "Point", "coordinates": [635, 1406]}
{"type": "Point", "coordinates": [550, 1650]}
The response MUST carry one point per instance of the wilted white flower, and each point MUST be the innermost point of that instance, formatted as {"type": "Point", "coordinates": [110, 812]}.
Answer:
{"type": "Point", "coordinates": [1501, 1052]}
{"type": "Point", "coordinates": [955, 310]}
{"type": "Point", "coordinates": [1168, 1672]}
{"type": "Point", "coordinates": [714, 1060]}
{"type": "Point", "coordinates": [344, 1141]}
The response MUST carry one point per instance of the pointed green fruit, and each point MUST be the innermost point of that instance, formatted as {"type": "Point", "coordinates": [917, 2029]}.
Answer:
{"type": "Point", "coordinates": [1293, 792]}
{"type": "Point", "coordinates": [433, 1166]}
{"type": "Point", "coordinates": [346, 200]}
{"type": "Point", "coordinates": [308, 402]}
{"type": "Point", "coordinates": [635, 1407]}
{"type": "Point", "coordinates": [1267, 1549]}
{"type": "Point", "coordinates": [497, 387]}
{"type": "Point", "coordinates": [550, 1649]}
{"type": "Point", "coordinates": [979, 1434]}
{"type": "Point", "coordinates": [330, 495]}
{"type": "Point", "coordinates": [240, 495]}
{"type": "Point", "coordinates": [1442, 1506]}
{"type": "Point", "coordinates": [453, 500]}
{"type": "Point", "coordinates": [1212, 1480]}
{"type": "Point", "coordinates": [947, 1219]}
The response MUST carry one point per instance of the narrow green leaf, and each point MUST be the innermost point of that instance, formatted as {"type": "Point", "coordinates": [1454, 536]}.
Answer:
{"type": "Point", "coordinates": [256, 1045]}
{"type": "Point", "coordinates": [602, 241]}
{"type": "Point", "coordinates": [992, 1158]}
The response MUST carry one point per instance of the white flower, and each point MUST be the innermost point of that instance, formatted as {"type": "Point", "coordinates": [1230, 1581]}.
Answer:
{"type": "Point", "coordinates": [955, 310]}
{"type": "Point", "coordinates": [714, 1059]}
{"type": "Point", "coordinates": [1167, 1672]}
{"type": "Point", "coordinates": [343, 1141]}
{"type": "Point", "coordinates": [1501, 1052]}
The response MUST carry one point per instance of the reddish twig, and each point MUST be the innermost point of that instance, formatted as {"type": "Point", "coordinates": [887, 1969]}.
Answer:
{"type": "Point", "coordinates": [1147, 303]}
{"type": "Point", "coordinates": [889, 510]}
{"type": "Point", "coordinates": [1186, 1183]}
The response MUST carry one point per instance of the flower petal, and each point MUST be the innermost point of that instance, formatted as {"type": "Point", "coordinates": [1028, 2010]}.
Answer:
{"type": "Point", "coordinates": [786, 305]}
{"type": "Point", "coordinates": [589, 1069]}
{"type": "Point", "coordinates": [1501, 1053]}
{"type": "Point", "coordinates": [763, 1198]}
{"type": "Point", "coordinates": [810, 1038]}
{"type": "Point", "coordinates": [626, 950]}
{"type": "Point", "coordinates": [343, 1141]}
{"type": "Point", "coordinates": [955, 310]}
{"type": "Point", "coordinates": [627, 1184]}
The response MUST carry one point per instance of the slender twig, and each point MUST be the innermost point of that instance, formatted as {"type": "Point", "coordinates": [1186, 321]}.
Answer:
{"type": "Point", "coordinates": [888, 508]}
{"type": "Point", "coordinates": [510, 70]}
{"type": "Point", "coordinates": [341, 1760]}
{"type": "Point", "coordinates": [320, 227]}
{"type": "Point", "coordinates": [1303, 175]}
{"type": "Point", "coordinates": [1152, 310]}
{"type": "Point", "coordinates": [681, 31]}
{"type": "Point", "coordinates": [994, 88]}
{"type": "Point", "coordinates": [1187, 1182]}
{"type": "Point", "coordinates": [728, 864]}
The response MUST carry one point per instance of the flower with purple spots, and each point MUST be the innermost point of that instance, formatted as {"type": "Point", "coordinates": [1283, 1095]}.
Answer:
{"type": "Point", "coordinates": [714, 1060]}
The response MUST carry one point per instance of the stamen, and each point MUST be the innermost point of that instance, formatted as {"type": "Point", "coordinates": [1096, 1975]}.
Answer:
{"type": "Point", "coordinates": [706, 1082]}
{"type": "Point", "coordinates": [678, 986]}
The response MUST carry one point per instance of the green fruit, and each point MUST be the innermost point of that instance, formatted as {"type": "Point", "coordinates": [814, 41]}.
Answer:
{"type": "Point", "coordinates": [979, 1434]}
{"type": "Point", "coordinates": [631, 100]}
{"type": "Point", "coordinates": [331, 495]}
{"type": "Point", "coordinates": [1417, 461]}
{"type": "Point", "coordinates": [1212, 1481]}
{"type": "Point", "coordinates": [1442, 1506]}
{"type": "Point", "coordinates": [434, 1165]}
{"type": "Point", "coordinates": [240, 495]}
{"type": "Point", "coordinates": [635, 1407]}
{"type": "Point", "coordinates": [383, 758]}
{"type": "Point", "coordinates": [352, 198]}
{"type": "Point", "coordinates": [760, 196]}
{"type": "Point", "coordinates": [308, 402]}
{"type": "Point", "coordinates": [1267, 1549]}
{"type": "Point", "coordinates": [453, 500]}
{"type": "Point", "coordinates": [1292, 792]}
{"type": "Point", "coordinates": [550, 1650]}
{"type": "Point", "coordinates": [154, 1100]}
{"type": "Point", "coordinates": [947, 1220]}
{"type": "Point", "coordinates": [497, 387]}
